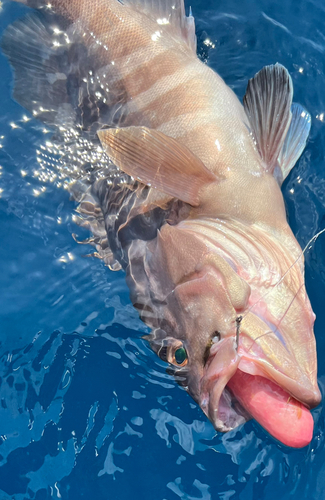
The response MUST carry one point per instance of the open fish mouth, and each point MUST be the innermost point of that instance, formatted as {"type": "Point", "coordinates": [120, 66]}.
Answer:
{"type": "Point", "coordinates": [244, 390]}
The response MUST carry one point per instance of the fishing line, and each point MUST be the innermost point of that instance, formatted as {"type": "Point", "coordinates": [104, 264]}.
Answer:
{"type": "Point", "coordinates": [307, 247]}
{"type": "Point", "coordinates": [312, 240]}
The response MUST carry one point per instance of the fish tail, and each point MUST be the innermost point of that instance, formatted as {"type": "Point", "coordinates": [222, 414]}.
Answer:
{"type": "Point", "coordinates": [79, 65]}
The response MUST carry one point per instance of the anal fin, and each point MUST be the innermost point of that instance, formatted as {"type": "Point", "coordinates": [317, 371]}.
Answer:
{"type": "Point", "coordinates": [157, 160]}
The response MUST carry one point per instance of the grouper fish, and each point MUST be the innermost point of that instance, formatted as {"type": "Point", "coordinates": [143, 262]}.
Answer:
{"type": "Point", "coordinates": [188, 201]}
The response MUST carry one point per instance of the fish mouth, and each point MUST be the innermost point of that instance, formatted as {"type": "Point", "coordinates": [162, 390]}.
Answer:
{"type": "Point", "coordinates": [239, 388]}
{"type": "Point", "coordinates": [283, 416]}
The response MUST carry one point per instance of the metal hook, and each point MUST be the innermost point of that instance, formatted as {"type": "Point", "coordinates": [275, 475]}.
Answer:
{"type": "Point", "coordinates": [238, 321]}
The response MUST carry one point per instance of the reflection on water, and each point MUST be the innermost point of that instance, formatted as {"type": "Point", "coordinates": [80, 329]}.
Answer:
{"type": "Point", "coordinates": [86, 409]}
{"type": "Point", "coordinates": [102, 406]}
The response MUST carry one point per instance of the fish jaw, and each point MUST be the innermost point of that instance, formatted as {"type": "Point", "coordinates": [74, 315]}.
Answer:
{"type": "Point", "coordinates": [231, 396]}
{"type": "Point", "coordinates": [216, 402]}
{"type": "Point", "coordinates": [237, 386]}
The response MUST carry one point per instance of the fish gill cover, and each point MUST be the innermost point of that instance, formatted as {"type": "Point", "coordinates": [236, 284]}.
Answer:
{"type": "Point", "coordinates": [85, 404]}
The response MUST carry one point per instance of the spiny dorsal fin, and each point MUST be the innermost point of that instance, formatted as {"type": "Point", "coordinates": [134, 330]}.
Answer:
{"type": "Point", "coordinates": [295, 140]}
{"type": "Point", "coordinates": [170, 15]}
{"type": "Point", "coordinates": [157, 160]}
{"type": "Point", "coordinates": [267, 103]}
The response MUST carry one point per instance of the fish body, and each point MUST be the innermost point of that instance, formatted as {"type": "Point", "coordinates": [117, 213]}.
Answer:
{"type": "Point", "coordinates": [199, 221]}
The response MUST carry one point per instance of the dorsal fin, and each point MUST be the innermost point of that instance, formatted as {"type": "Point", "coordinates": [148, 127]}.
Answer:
{"type": "Point", "coordinates": [170, 15]}
{"type": "Point", "coordinates": [267, 103]}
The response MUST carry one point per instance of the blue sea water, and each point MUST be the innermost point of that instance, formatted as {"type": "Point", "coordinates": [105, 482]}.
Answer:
{"type": "Point", "coordinates": [86, 409]}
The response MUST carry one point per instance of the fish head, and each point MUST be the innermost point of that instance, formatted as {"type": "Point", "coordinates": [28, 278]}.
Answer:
{"type": "Point", "coordinates": [198, 338]}
{"type": "Point", "coordinates": [277, 339]}
{"type": "Point", "coordinates": [221, 331]}
{"type": "Point", "coordinates": [276, 379]}
{"type": "Point", "coordinates": [200, 297]}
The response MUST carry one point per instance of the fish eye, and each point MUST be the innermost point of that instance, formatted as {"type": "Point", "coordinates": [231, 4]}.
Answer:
{"type": "Point", "coordinates": [180, 356]}
{"type": "Point", "coordinates": [173, 351]}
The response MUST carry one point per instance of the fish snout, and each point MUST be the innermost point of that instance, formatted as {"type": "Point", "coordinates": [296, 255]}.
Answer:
{"type": "Point", "coordinates": [282, 352]}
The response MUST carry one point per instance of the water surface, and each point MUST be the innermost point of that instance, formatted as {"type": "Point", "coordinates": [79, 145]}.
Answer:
{"type": "Point", "coordinates": [86, 409]}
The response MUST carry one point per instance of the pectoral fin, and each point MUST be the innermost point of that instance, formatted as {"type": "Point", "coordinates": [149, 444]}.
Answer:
{"type": "Point", "coordinates": [267, 103]}
{"type": "Point", "coordinates": [295, 140]}
{"type": "Point", "coordinates": [157, 160]}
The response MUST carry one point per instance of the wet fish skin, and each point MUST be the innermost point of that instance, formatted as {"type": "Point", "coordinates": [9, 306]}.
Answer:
{"type": "Point", "coordinates": [226, 254]}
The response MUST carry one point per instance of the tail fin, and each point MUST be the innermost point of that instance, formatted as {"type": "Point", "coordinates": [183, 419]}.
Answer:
{"type": "Point", "coordinates": [40, 79]}
{"type": "Point", "coordinates": [53, 75]}
{"type": "Point", "coordinates": [67, 84]}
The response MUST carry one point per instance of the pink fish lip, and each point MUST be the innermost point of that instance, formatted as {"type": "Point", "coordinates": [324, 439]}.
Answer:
{"type": "Point", "coordinates": [302, 390]}
{"type": "Point", "coordinates": [216, 400]}
{"type": "Point", "coordinates": [290, 376]}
